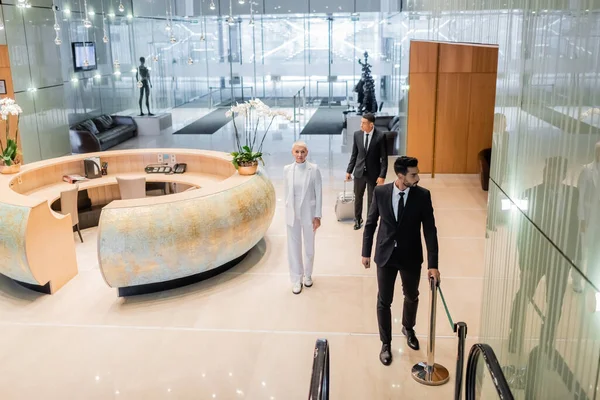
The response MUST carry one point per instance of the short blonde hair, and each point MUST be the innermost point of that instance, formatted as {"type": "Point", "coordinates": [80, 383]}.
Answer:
{"type": "Point", "coordinates": [300, 143]}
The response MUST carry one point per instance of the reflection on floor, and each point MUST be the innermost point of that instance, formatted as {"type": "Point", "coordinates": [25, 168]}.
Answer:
{"type": "Point", "coordinates": [243, 334]}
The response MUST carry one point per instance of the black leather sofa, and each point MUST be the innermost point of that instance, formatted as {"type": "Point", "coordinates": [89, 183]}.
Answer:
{"type": "Point", "coordinates": [101, 133]}
{"type": "Point", "coordinates": [390, 126]}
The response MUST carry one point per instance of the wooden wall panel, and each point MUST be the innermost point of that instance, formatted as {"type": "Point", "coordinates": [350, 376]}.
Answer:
{"type": "Point", "coordinates": [485, 59]}
{"type": "Point", "coordinates": [423, 57]}
{"type": "Point", "coordinates": [464, 76]}
{"type": "Point", "coordinates": [452, 124]}
{"type": "Point", "coordinates": [6, 76]}
{"type": "Point", "coordinates": [455, 58]}
{"type": "Point", "coordinates": [421, 114]}
{"type": "Point", "coordinates": [481, 117]}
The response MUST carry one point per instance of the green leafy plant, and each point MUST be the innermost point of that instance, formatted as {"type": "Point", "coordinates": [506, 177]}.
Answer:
{"type": "Point", "coordinates": [249, 147]}
{"type": "Point", "coordinates": [246, 157]}
{"type": "Point", "coordinates": [8, 154]}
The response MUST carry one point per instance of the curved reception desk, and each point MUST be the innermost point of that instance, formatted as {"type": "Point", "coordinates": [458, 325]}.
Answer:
{"type": "Point", "coordinates": [153, 243]}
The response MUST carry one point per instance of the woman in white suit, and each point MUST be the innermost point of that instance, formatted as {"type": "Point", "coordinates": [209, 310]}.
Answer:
{"type": "Point", "coordinates": [303, 206]}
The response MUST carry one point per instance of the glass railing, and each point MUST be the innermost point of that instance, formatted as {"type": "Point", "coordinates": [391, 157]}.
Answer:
{"type": "Point", "coordinates": [319, 381]}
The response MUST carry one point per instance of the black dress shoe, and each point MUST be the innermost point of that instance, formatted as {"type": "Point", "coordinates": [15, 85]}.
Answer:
{"type": "Point", "coordinates": [356, 225]}
{"type": "Point", "coordinates": [411, 339]}
{"type": "Point", "coordinates": [386, 355]}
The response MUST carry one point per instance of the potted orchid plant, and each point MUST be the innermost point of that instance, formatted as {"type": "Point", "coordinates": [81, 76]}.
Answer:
{"type": "Point", "coordinates": [9, 162]}
{"type": "Point", "coordinates": [249, 143]}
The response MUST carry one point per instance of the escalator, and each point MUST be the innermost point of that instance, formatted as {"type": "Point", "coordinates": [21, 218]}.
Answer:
{"type": "Point", "coordinates": [484, 378]}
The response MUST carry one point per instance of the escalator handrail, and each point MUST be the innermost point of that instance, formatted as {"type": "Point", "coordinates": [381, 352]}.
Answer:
{"type": "Point", "coordinates": [319, 381]}
{"type": "Point", "coordinates": [493, 367]}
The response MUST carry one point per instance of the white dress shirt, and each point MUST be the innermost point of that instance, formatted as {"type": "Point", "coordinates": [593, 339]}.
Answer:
{"type": "Point", "coordinates": [299, 177]}
{"type": "Point", "coordinates": [369, 136]}
{"type": "Point", "coordinates": [396, 196]}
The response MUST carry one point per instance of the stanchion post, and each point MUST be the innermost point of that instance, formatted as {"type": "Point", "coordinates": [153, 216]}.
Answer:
{"type": "Point", "coordinates": [461, 330]}
{"type": "Point", "coordinates": [429, 373]}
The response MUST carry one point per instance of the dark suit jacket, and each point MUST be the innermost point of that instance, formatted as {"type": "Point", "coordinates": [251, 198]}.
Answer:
{"type": "Point", "coordinates": [417, 211]}
{"type": "Point", "coordinates": [375, 159]}
{"type": "Point", "coordinates": [555, 214]}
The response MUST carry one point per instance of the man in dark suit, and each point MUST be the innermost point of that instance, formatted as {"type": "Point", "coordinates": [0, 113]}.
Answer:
{"type": "Point", "coordinates": [403, 207]}
{"type": "Point", "coordinates": [552, 206]}
{"type": "Point", "coordinates": [368, 162]}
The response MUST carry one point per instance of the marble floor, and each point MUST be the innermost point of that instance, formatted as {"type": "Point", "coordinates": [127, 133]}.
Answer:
{"type": "Point", "coordinates": [243, 334]}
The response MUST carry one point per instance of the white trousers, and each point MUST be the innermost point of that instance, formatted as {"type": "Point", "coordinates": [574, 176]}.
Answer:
{"type": "Point", "coordinates": [295, 234]}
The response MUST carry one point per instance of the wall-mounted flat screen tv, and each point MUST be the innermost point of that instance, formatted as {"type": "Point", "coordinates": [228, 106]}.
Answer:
{"type": "Point", "coordinates": [84, 56]}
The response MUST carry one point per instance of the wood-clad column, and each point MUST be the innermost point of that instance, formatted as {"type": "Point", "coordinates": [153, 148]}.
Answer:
{"type": "Point", "coordinates": [422, 80]}
{"type": "Point", "coordinates": [451, 104]}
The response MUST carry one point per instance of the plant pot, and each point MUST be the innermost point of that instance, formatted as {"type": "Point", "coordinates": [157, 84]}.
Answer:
{"type": "Point", "coordinates": [248, 169]}
{"type": "Point", "coordinates": [10, 169]}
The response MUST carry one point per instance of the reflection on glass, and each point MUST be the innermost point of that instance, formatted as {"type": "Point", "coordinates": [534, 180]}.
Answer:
{"type": "Point", "coordinates": [589, 214]}
{"type": "Point", "coordinates": [554, 204]}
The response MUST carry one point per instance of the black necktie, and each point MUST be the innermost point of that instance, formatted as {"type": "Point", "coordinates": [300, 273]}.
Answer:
{"type": "Point", "coordinates": [400, 206]}
{"type": "Point", "coordinates": [367, 143]}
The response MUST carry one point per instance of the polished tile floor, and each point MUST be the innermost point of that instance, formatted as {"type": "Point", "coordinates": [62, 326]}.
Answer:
{"type": "Point", "coordinates": [243, 334]}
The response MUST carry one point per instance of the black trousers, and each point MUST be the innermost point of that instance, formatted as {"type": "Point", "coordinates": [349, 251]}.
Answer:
{"type": "Point", "coordinates": [557, 277]}
{"type": "Point", "coordinates": [359, 192]}
{"type": "Point", "coordinates": [386, 279]}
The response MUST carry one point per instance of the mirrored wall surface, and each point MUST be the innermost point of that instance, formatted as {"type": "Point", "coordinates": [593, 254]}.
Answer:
{"type": "Point", "coordinates": [541, 308]}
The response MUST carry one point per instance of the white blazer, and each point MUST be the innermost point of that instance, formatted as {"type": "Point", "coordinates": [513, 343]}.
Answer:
{"type": "Point", "coordinates": [312, 194]}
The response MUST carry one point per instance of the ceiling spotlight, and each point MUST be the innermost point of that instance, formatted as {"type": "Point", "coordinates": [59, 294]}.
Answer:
{"type": "Point", "coordinates": [91, 13]}
{"type": "Point", "coordinates": [134, 70]}
{"type": "Point", "coordinates": [116, 64]}
{"type": "Point", "coordinates": [57, 27]}
{"type": "Point", "coordinates": [117, 73]}
{"type": "Point", "coordinates": [87, 23]}
{"type": "Point", "coordinates": [86, 63]}
{"type": "Point", "coordinates": [129, 16]}
{"type": "Point", "coordinates": [212, 5]}
{"type": "Point", "coordinates": [242, 1]}
{"type": "Point", "coordinates": [190, 61]}
{"type": "Point", "coordinates": [97, 76]}
{"type": "Point", "coordinates": [111, 15]}
{"type": "Point", "coordinates": [155, 58]}
{"type": "Point", "coordinates": [251, 23]}
{"type": "Point", "coordinates": [67, 11]}
{"type": "Point", "coordinates": [202, 37]}
{"type": "Point", "coordinates": [172, 39]}
{"type": "Point", "coordinates": [74, 79]}
{"type": "Point", "coordinates": [121, 7]}
{"type": "Point", "coordinates": [105, 39]}
{"type": "Point", "coordinates": [168, 27]}
{"type": "Point", "coordinates": [57, 41]}
{"type": "Point", "coordinates": [28, 5]}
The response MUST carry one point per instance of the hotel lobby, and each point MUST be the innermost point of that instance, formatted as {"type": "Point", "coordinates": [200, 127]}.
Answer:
{"type": "Point", "coordinates": [183, 291]}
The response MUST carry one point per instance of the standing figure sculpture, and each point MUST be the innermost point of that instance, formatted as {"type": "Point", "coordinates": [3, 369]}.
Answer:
{"type": "Point", "coordinates": [369, 102]}
{"type": "Point", "coordinates": [143, 78]}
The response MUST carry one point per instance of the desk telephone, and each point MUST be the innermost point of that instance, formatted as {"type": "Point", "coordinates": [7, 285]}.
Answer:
{"type": "Point", "coordinates": [165, 169]}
